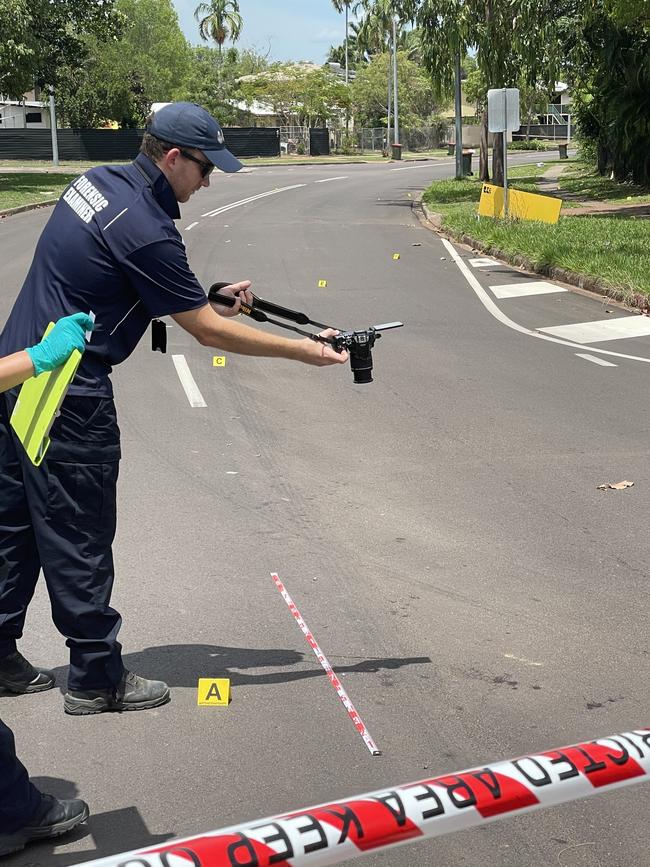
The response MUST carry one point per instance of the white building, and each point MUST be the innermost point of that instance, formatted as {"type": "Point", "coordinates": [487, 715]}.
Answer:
{"type": "Point", "coordinates": [24, 114]}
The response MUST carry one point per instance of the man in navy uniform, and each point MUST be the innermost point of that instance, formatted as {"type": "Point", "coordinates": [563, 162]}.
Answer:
{"type": "Point", "coordinates": [110, 246]}
{"type": "Point", "coordinates": [26, 814]}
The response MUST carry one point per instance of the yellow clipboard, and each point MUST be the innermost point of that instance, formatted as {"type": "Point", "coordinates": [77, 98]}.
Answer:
{"type": "Point", "coordinates": [38, 403]}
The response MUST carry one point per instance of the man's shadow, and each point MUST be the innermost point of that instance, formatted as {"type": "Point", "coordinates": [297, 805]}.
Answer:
{"type": "Point", "coordinates": [112, 832]}
{"type": "Point", "coordinates": [181, 665]}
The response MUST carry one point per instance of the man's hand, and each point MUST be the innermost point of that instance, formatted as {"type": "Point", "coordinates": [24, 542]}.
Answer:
{"type": "Point", "coordinates": [240, 292]}
{"type": "Point", "coordinates": [322, 354]}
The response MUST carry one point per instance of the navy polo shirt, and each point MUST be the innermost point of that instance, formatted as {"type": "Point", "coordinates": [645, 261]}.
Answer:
{"type": "Point", "coordinates": [110, 246]}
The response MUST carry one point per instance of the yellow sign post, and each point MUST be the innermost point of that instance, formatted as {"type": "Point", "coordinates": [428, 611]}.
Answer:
{"type": "Point", "coordinates": [213, 692]}
{"type": "Point", "coordinates": [521, 206]}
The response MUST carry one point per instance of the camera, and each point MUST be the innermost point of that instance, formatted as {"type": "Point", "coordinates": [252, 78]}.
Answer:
{"type": "Point", "coordinates": [359, 344]}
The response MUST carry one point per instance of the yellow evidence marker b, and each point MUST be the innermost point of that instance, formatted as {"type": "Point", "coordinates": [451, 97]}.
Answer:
{"type": "Point", "coordinates": [322, 284]}
{"type": "Point", "coordinates": [218, 360]}
{"type": "Point", "coordinates": [213, 692]}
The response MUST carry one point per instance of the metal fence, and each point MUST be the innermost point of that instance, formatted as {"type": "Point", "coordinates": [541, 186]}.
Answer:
{"type": "Point", "coordinates": [375, 139]}
{"type": "Point", "coordinates": [108, 145]}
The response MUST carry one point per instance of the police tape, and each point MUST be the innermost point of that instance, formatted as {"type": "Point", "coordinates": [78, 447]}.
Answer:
{"type": "Point", "coordinates": [346, 829]}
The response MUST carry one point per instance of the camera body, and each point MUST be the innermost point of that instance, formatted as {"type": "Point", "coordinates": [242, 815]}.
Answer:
{"type": "Point", "coordinates": [359, 344]}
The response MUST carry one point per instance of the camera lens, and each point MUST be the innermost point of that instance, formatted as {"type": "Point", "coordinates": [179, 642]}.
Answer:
{"type": "Point", "coordinates": [361, 367]}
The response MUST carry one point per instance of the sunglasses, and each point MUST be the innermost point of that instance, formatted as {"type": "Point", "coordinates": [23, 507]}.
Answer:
{"type": "Point", "coordinates": [206, 168]}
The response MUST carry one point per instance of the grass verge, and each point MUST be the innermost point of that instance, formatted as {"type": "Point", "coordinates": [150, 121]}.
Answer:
{"type": "Point", "coordinates": [581, 181]}
{"type": "Point", "coordinates": [19, 188]}
{"type": "Point", "coordinates": [612, 249]}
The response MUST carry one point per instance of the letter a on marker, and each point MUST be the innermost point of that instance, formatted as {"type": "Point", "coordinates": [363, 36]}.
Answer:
{"type": "Point", "coordinates": [214, 692]}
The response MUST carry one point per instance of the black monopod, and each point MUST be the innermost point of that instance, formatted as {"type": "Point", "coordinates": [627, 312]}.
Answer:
{"type": "Point", "coordinates": [358, 343]}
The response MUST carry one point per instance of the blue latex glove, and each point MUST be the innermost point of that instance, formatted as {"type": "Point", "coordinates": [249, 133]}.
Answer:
{"type": "Point", "coordinates": [55, 349]}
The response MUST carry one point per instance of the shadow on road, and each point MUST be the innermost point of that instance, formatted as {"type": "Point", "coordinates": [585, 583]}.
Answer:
{"type": "Point", "coordinates": [180, 665]}
{"type": "Point", "coordinates": [112, 832]}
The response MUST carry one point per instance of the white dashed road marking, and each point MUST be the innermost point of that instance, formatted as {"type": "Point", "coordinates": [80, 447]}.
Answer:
{"type": "Point", "coordinates": [327, 180]}
{"type": "Point", "coordinates": [518, 290]}
{"type": "Point", "coordinates": [603, 329]}
{"type": "Point", "coordinates": [191, 226]}
{"type": "Point", "coordinates": [595, 360]}
{"type": "Point", "coordinates": [187, 381]}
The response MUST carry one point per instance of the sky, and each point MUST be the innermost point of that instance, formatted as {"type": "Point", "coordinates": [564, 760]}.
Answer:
{"type": "Point", "coordinates": [291, 29]}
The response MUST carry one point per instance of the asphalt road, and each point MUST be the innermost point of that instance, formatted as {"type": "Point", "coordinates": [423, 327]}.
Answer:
{"type": "Point", "coordinates": [440, 530]}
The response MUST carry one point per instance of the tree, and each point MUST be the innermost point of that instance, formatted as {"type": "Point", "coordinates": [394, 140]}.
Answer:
{"type": "Point", "coordinates": [308, 96]}
{"type": "Point", "coordinates": [514, 38]}
{"type": "Point", "coordinates": [610, 66]}
{"type": "Point", "coordinates": [215, 85]}
{"type": "Point", "coordinates": [417, 98]}
{"type": "Point", "coordinates": [121, 79]}
{"type": "Point", "coordinates": [17, 48]}
{"type": "Point", "coordinates": [42, 39]}
{"type": "Point", "coordinates": [219, 20]}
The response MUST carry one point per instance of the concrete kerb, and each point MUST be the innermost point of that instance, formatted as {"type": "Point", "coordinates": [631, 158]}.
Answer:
{"type": "Point", "coordinates": [19, 210]}
{"type": "Point", "coordinates": [581, 282]}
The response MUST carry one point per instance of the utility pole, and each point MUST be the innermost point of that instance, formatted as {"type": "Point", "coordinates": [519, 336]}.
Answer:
{"type": "Point", "coordinates": [458, 149]}
{"type": "Point", "coordinates": [395, 109]}
{"type": "Point", "coordinates": [347, 9]}
{"type": "Point", "coordinates": [55, 143]}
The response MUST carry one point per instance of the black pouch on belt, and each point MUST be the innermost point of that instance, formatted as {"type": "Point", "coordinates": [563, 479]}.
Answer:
{"type": "Point", "coordinates": [158, 335]}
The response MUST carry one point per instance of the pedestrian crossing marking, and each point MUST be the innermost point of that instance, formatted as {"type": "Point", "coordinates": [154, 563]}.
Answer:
{"type": "Point", "coordinates": [213, 692]}
{"type": "Point", "coordinates": [519, 290]}
{"type": "Point", "coordinates": [602, 330]}
{"type": "Point", "coordinates": [482, 263]}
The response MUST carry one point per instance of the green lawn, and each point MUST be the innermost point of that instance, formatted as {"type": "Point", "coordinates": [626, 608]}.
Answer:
{"type": "Point", "coordinates": [17, 188]}
{"type": "Point", "coordinates": [582, 181]}
{"type": "Point", "coordinates": [616, 249]}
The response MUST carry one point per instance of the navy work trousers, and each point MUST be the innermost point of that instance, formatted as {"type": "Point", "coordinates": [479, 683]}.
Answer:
{"type": "Point", "coordinates": [19, 799]}
{"type": "Point", "coordinates": [61, 517]}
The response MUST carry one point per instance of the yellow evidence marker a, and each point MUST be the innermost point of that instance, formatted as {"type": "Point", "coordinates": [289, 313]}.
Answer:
{"type": "Point", "coordinates": [218, 360]}
{"type": "Point", "coordinates": [322, 284]}
{"type": "Point", "coordinates": [396, 256]}
{"type": "Point", "coordinates": [213, 692]}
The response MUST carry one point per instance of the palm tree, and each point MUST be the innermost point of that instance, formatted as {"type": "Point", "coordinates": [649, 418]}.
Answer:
{"type": "Point", "coordinates": [219, 20]}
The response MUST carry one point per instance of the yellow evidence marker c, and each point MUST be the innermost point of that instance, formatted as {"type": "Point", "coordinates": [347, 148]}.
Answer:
{"type": "Point", "coordinates": [218, 360]}
{"type": "Point", "coordinates": [213, 692]}
{"type": "Point", "coordinates": [322, 284]}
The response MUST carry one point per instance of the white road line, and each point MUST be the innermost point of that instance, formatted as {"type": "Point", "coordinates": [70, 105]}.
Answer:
{"type": "Point", "coordinates": [191, 226]}
{"type": "Point", "coordinates": [492, 308]}
{"type": "Point", "coordinates": [603, 329]}
{"type": "Point", "coordinates": [327, 180]}
{"type": "Point", "coordinates": [519, 290]}
{"type": "Point", "coordinates": [187, 381]}
{"type": "Point", "coordinates": [595, 360]}
{"type": "Point", "coordinates": [410, 168]}
{"type": "Point", "coordinates": [251, 199]}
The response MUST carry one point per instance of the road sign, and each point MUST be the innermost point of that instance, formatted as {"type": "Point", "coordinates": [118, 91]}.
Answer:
{"type": "Point", "coordinates": [503, 109]}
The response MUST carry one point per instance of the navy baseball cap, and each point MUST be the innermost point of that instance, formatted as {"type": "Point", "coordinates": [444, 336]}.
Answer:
{"type": "Point", "coordinates": [190, 125]}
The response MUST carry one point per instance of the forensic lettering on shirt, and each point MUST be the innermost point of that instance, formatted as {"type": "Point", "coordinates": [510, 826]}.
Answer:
{"type": "Point", "coordinates": [85, 199]}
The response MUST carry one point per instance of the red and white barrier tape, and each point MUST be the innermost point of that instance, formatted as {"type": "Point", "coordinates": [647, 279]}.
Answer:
{"type": "Point", "coordinates": [346, 829]}
{"type": "Point", "coordinates": [320, 656]}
